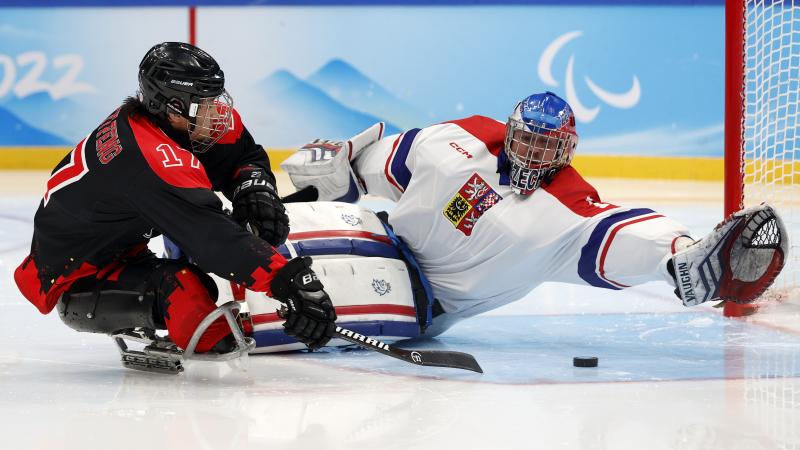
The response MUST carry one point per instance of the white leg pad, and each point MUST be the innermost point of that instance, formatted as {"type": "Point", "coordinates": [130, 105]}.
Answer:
{"type": "Point", "coordinates": [371, 295]}
{"type": "Point", "coordinates": [361, 270]}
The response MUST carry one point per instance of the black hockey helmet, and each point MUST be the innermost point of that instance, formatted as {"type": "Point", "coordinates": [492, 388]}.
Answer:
{"type": "Point", "coordinates": [171, 74]}
{"type": "Point", "coordinates": [180, 78]}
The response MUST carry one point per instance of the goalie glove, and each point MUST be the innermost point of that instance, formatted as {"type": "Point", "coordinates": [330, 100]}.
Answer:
{"type": "Point", "coordinates": [736, 262]}
{"type": "Point", "coordinates": [326, 165]}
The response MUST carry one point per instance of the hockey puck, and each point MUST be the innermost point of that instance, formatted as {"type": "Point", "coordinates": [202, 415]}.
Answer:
{"type": "Point", "coordinates": [584, 361]}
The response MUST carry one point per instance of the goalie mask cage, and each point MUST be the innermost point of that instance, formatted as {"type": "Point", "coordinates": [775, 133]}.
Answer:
{"type": "Point", "coordinates": [762, 138]}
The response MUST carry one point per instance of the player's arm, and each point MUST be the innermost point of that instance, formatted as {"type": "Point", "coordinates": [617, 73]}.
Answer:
{"type": "Point", "coordinates": [193, 218]}
{"type": "Point", "coordinates": [386, 166]}
{"type": "Point", "coordinates": [250, 185]}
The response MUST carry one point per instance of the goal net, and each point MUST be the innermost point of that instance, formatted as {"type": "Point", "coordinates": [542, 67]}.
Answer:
{"type": "Point", "coordinates": [762, 122]}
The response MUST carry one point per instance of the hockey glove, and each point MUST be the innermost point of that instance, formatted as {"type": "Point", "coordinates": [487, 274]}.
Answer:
{"type": "Point", "coordinates": [326, 165]}
{"type": "Point", "coordinates": [736, 262]}
{"type": "Point", "coordinates": [257, 207]}
{"type": "Point", "coordinates": [309, 313]}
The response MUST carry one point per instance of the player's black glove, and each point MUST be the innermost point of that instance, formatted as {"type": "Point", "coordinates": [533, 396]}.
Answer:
{"type": "Point", "coordinates": [256, 206]}
{"type": "Point", "coordinates": [309, 312]}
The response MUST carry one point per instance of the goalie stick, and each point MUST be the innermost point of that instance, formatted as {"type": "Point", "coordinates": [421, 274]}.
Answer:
{"type": "Point", "coordinates": [433, 358]}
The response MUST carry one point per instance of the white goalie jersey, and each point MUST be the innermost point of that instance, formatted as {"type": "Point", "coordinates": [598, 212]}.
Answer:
{"type": "Point", "coordinates": [482, 246]}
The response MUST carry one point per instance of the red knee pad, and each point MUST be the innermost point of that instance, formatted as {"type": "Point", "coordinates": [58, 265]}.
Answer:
{"type": "Point", "coordinates": [187, 305]}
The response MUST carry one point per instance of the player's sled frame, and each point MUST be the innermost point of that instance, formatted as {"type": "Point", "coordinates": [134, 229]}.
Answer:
{"type": "Point", "coordinates": [161, 355]}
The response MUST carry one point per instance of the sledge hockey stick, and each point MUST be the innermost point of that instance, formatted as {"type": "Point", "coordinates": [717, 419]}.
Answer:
{"type": "Point", "coordinates": [435, 358]}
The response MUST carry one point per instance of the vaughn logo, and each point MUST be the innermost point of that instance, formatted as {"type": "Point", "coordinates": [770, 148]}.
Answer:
{"type": "Point", "coordinates": [686, 284]}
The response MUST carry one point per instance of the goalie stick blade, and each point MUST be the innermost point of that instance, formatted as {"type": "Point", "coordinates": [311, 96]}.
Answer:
{"type": "Point", "coordinates": [307, 194]}
{"type": "Point", "coordinates": [433, 358]}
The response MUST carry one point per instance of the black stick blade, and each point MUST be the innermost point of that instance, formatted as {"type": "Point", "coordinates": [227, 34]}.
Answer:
{"type": "Point", "coordinates": [434, 358]}
{"type": "Point", "coordinates": [439, 358]}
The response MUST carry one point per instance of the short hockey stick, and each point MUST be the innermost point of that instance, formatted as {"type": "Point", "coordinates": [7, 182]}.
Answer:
{"type": "Point", "coordinates": [436, 358]}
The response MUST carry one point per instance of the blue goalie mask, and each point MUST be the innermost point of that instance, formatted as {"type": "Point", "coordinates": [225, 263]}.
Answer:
{"type": "Point", "coordinates": [540, 140]}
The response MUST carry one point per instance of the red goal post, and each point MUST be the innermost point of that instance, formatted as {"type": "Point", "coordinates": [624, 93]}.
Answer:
{"type": "Point", "coordinates": [762, 121]}
{"type": "Point", "coordinates": [734, 104]}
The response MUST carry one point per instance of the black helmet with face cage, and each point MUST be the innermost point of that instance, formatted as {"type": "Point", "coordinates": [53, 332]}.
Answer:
{"type": "Point", "coordinates": [174, 75]}
{"type": "Point", "coordinates": [179, 78]}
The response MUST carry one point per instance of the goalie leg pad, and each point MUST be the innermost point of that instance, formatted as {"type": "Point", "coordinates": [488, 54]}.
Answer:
{"type": "Point", "coordinates": [736, 262]}
{"type": "Point", "coordinates": [372, 296]}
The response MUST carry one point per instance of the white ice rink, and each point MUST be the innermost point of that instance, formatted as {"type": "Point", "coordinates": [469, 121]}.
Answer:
{"type": "Point", "coordinates": [669, 377]}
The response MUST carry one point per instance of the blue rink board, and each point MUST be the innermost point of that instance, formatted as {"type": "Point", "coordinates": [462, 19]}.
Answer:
{"type": "Point", "coordinates": [630, 347]}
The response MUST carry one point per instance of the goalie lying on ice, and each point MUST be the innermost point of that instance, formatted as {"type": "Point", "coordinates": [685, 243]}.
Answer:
{"type": "Point", "coordinates": [485, 212]}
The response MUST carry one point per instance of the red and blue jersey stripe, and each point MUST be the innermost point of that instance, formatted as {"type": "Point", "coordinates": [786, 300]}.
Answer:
{"type": "Point", "coordinates": [592, 262]}
{"type": "Point", "coordinates": [397, 172]}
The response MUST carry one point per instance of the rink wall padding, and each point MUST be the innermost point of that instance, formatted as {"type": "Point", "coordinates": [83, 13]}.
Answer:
{"type": "Point", "coordinates": [604, 166]}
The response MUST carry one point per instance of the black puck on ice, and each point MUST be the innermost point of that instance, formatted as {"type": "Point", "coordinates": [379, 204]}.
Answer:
{"type": "Point", "coordinates": [584, 361]}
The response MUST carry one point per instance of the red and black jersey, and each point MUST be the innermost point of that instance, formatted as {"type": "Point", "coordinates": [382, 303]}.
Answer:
{"type": "Point", "coordinates": [129, 181]}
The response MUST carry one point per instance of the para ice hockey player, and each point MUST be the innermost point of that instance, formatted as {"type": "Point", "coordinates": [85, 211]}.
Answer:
{"type": "Point", "coordinates": [486, 211]}
{"type": "Point", "coordinates": [152, 168]}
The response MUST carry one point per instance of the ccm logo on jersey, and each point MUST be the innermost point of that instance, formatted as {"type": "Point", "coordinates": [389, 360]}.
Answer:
{"type": "Point", "coordinates": [461, 150]}
{"type": "Point", "coordinates": [470, 203]}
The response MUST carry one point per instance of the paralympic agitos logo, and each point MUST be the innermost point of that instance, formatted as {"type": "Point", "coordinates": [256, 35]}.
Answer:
{"type": "Point", "coordinates": [585, 114]}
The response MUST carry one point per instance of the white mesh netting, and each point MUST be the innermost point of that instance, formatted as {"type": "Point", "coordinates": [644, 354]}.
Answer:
{"type": "Point", "coordinates": [772, 396]}
{"type": "Point", "coordinates": [771, 134]}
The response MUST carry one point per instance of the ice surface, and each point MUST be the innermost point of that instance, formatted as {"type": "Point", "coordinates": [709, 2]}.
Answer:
{"type": "Point", "coordinates": [669, 377]}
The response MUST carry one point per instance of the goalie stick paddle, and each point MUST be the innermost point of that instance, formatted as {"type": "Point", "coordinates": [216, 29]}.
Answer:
{"type": "Point", "coordinates": [435, 358]}
{"type": "Point", "coordinates": [307, 194]}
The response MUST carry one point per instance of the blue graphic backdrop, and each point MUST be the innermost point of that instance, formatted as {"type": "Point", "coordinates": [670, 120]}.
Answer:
{"type": "Point", "coordinates": [643, 80]}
